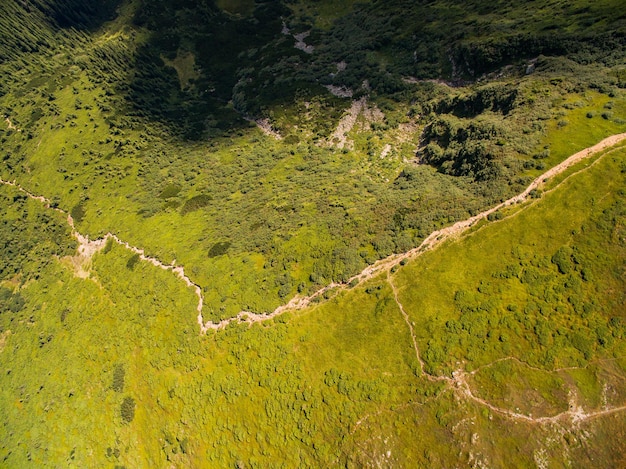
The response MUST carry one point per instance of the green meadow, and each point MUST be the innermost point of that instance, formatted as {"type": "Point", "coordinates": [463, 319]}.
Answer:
{"type": "Point", "coordinates": [524, 301]}
{"type": "Point", "coordinates": [197, 132]}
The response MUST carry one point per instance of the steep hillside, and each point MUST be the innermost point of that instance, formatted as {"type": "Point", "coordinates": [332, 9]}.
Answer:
{"type": "Point", "coordinates": [211, 219]}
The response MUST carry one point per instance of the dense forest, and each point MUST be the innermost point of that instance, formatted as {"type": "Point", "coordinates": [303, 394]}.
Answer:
{"type": "Point", "coordinates": [175, 172]}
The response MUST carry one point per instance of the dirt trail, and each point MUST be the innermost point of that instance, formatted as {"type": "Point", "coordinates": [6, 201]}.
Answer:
{"type": "Point", "coordinates": [340, 136]}
{"type": "Point", "coordinates": [536, 368]}
{"type": "Point", "coordinates": [458, 382]}
{"type": "Point", "coordinates": [575, 413]}
{"type": "Point", "coordinates": [438, 236]}
{"type": "Point", "coordinates": [89, 247]}
{"type": "Point", "coordinates": [407, 320]}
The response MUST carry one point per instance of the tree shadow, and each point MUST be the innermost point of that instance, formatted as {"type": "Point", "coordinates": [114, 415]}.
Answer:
{"type": "Point", "coordinates": [186, 74]}
{"type": "Point", "coordinates": [78, 14]}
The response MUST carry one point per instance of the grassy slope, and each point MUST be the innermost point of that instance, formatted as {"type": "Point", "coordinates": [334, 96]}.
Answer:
{"type": "Point", "coordinates": [338, 382]}
{"type": "Point", "coordinates": [504, 260]}
{"type": "Point", "coordinates": [310, 215]}
{"type": "Point", "coordinates": [334, 384]}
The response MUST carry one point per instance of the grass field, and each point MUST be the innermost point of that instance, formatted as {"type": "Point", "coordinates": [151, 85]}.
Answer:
{"type": "Point", "coordinates": [345, 367]}
{"type": "Point", "coordinates": [141, 123]}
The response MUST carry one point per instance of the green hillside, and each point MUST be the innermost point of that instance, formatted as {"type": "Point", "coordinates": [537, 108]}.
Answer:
{"type": "Point", "coordinates": [175, 172]}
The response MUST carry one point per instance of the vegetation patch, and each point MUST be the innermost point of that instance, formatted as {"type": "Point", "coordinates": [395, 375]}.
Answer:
{"type": "Point", "coordinates": [195, 203]}
{"type": "Point", "coordinates": [169, 191]}
{"type": "Point", "coordinates": [118, 378]}
{"type": "Point", "coordinates": [512, 385]}
{"type": "Point", "coordinates": [219, 249]}
{"type": "Point", "coordinates": [237, 7]}
{"type": "Point", "coordinates": [132, 261]}
{"type": "Point", "coordinates": [128, 114]}
{"type": "Point", "coordinates": [78, 212]}
{"type": "Point", "coordinates": [127, 409]}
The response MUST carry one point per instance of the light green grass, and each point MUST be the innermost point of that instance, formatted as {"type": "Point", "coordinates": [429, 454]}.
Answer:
{"type": "Point", "coordinates": [473, 267]}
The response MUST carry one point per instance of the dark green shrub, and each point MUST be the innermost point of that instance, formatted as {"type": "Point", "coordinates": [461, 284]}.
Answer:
{"type": "Point", "coordinates": [118, 378]}
{"type": "Point", "coordinates": [184, 445]}
{"type": "Point", "coordinates": [108, 246]}
{"type": "Point", "coordinates": [171, 190]}
{"type": "Point", "coordinates": [494, 216]}
{"type": "Point", "coordinates": [78, 212]}
{"type": "Point", "coordinates": [132, 261]}
{"type": "Point", "coordinates": [9, 301]}
{"type": "Point", "coordinates": [127, 409]}
{"type": "Point", "coordinates": [563, 260]}
{"type": "Point", "coordinates": [195, 203]}
{"type": "Point", "coordinates": [219, 249]}
{"type": "Point", "coordinates": [582, 343]}
{"type": "Point", "coordinates": [292, 139]}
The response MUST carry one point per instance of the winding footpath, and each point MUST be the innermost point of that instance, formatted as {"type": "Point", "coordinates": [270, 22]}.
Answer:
{"type": "Point", "coordinates": [434, 239]}
{"type": "Point", "coordinates": [458, 382]}
{"type": "Point", "coordinates": [407, 320]}
{"type": "Point", "coordinates": [89, 247]}
{"type": "Point", "coordinates": [575, 413]}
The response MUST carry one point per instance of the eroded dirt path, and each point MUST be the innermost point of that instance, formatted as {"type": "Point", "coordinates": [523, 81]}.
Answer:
{"type": "Point", "coordinates": [88, 247]}
{"type": "Point", "coordinates": [574, 414]}
{"type": "Point", "coordinates": [458, 382]}
{"type": "Point", "coordinates": [407, 320]}
{"type": "Point", "coordinates": [433, 240]}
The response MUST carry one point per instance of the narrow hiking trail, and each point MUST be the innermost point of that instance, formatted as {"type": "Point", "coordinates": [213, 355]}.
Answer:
{"type": "Point", "coordinates": [575, 413]}
{"type": "Point", "coordinates": [459, 385]}
{"type": "Point", "coordinates": [407, 320]}
{"type": "Point", "coordinates": [458, 382]}
{"type": "Point", "coordinates": [88, 247]}
{"type": "Point", "coordinates": [434, 239]}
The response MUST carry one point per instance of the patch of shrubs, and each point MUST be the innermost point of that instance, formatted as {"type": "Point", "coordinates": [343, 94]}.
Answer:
{"type": "Point", "coordinates": [78, 212]}
{"type": "Point", "coordinates": [127, 409]}
{"type": "Point", "coordinates": [132, 262]}
{"type": "Point", "coordinates": [196, 203]}
{"type": "Point", "coordinates": [219, 249]}
{"type": "Point", "coordinates": [171, 190]}
{"type": "Point", "coordinates": [118, 378]}
{"type": "Point", "coordinates": [13, 302]}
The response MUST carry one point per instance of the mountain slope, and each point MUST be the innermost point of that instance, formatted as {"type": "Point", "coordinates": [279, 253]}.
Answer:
{"type": "Point", "coordinates": [253, 155]}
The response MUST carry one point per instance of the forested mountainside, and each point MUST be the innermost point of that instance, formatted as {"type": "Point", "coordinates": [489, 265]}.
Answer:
{"type": "Point", "coordinates": [250, 233]}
